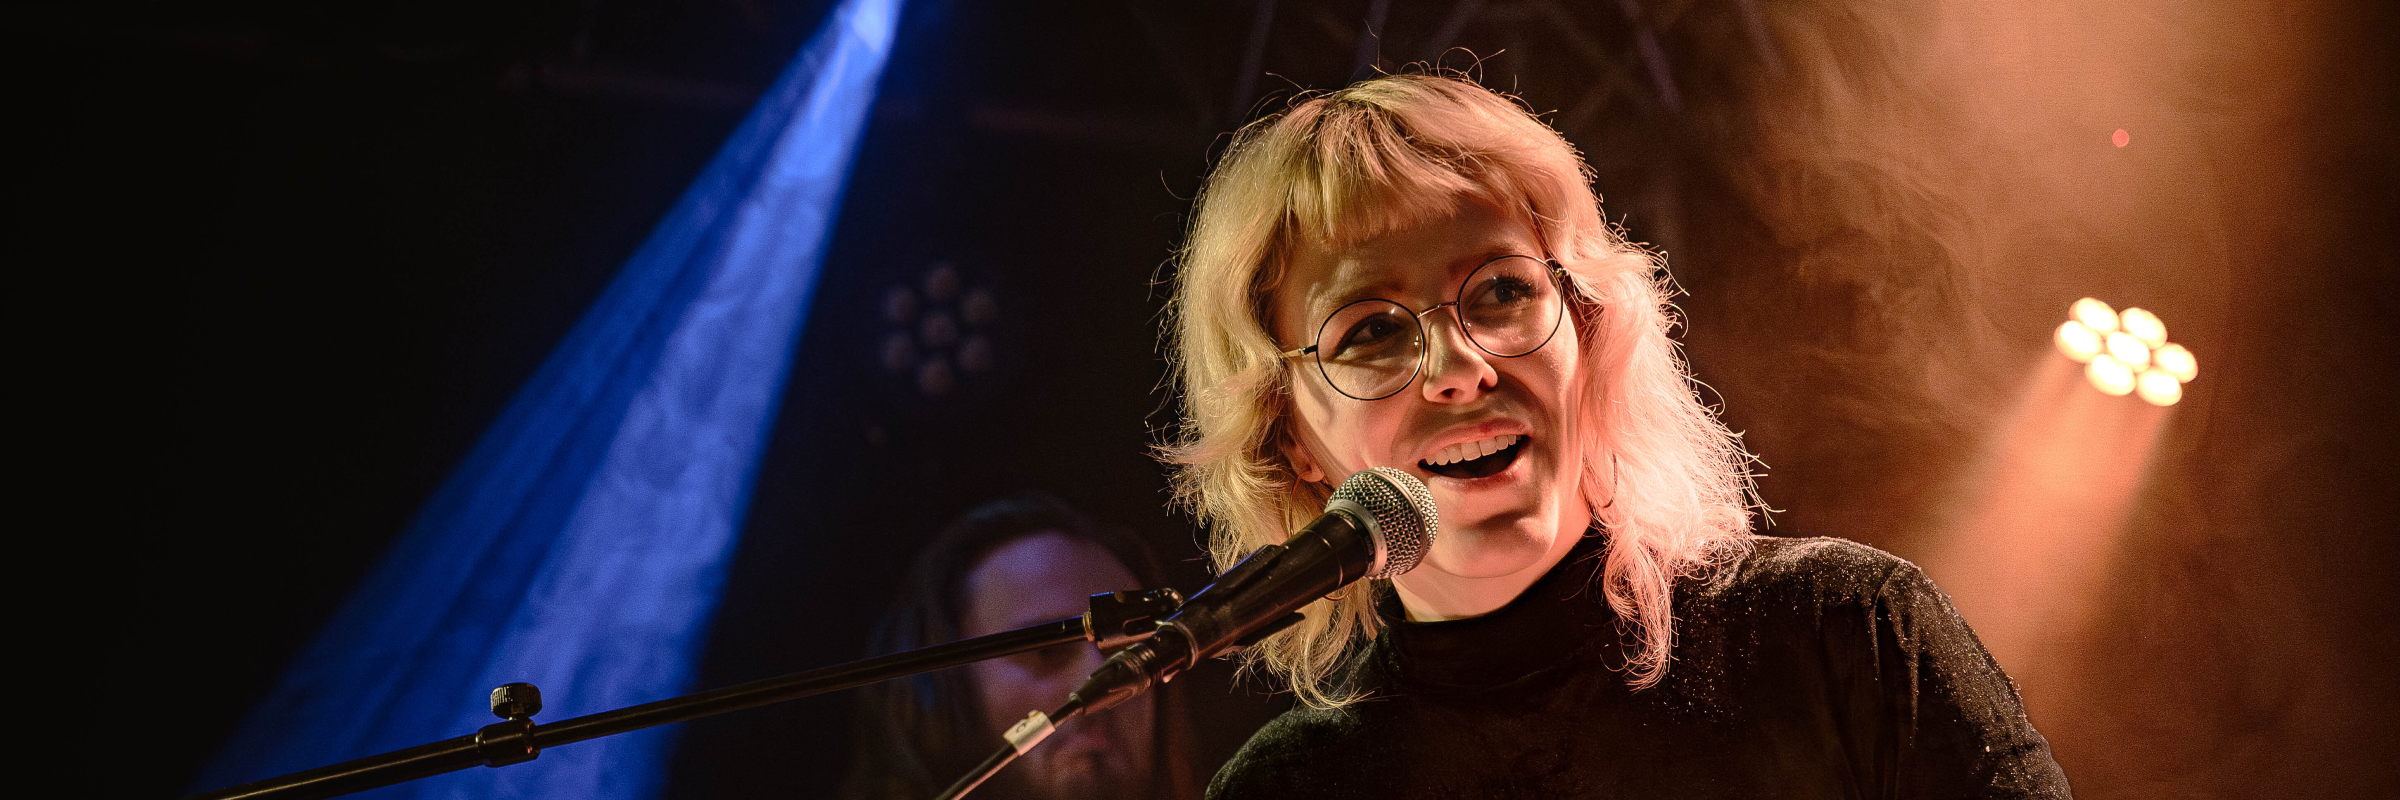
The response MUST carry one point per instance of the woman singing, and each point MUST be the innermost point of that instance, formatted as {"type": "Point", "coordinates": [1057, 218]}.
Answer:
{"type": "Point", "coordinates": [1413, 272]}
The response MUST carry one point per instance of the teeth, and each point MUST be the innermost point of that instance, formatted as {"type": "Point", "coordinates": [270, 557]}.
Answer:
{"type": "Point", "coordinates": [1469, 451]}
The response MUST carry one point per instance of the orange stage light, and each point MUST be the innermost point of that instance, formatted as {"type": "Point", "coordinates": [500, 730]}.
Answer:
{"type": "Point", "coordinates": [2159, 387]}
{"type": "Point", "coordinates": [2078, 341]}
{"type": "Point", "coordinates": [2128, 350]}
{"type": "Point", "coordinates": [2095, 315]}
{"type": "Point", "coordinates": [2177, 362]}
{"type": "Point", "coordinates": [2143, 325]}
{"type": "Point", "coordinates": [2109, 375]}
{"type": "Point", "coordinates": [2125, 352]}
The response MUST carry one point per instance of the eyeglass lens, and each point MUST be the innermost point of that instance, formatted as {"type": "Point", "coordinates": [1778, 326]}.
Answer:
{"type": "Point", "coordinates": [1371, 349]}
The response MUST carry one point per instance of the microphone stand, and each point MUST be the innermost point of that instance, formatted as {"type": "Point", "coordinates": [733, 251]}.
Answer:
{"type": "Point", "coordinates": [1115, 620]}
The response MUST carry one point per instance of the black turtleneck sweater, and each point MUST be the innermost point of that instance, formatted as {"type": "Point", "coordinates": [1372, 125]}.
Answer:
{"type": "Point", "coordinates": [1810, 668]}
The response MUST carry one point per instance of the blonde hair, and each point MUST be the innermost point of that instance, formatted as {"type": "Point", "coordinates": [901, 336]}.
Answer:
{"type": "Point", "coordinates": [1667, 481]}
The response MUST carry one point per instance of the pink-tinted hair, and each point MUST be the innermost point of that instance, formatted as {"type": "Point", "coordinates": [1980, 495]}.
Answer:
{"type": "Point", "coordinates": [1665, 479]}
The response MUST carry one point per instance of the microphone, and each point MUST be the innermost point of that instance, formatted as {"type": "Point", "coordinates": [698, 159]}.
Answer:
{"type": "Point", "coordinates": [1378, 524]}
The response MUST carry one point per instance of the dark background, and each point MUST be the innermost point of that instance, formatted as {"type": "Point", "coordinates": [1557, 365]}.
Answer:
{"type": "Point", "coordinates": [305, 255]}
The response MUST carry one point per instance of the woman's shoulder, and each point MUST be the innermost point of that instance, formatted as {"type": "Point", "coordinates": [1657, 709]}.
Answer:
{"type": "Point", "coordinates": [1820, 569]}
{"type": "Point", "coordinates": [1779, 615]}
{"type": "Point", "coordinates": [1297, 754]}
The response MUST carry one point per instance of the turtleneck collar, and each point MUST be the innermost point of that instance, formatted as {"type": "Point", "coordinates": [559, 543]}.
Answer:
{"type": "Point", "coordinates": [1556, 617]}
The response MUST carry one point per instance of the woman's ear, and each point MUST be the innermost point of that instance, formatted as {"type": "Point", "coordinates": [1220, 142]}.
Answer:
{"type": "Point", "coordinates": [1302, 465]}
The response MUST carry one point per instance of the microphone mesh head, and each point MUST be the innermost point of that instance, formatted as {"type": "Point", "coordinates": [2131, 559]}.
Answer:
{"type": "Point", "coordinates": [1405, 520]}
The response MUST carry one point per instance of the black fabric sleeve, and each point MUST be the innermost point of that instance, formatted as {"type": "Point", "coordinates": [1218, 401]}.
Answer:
{"type": "Point", "coordinates": [1955, 726]}
{"type": "Point", "coordinates": [1305, 753]}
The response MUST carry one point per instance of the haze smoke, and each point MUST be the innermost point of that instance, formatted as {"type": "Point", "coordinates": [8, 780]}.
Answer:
{"type": "Point", "coordinates": [1882, 234]}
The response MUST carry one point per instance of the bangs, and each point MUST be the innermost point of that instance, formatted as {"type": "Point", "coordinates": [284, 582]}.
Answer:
{"type": "Point", "coordinates": [1391, 153]}
{"type": "Point", "coordinates": [1387, 158]}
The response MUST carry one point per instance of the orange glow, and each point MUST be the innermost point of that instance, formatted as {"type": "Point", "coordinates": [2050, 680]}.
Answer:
{"type": "Point", "coordinates": [2039, 519]}
{"type": "Point", "coordinates": [2177, 362]}
{"type": "Point", "coordinates": [2109, 375]}
{"type": "Point", "coordinates": [2144, 326]}
{"type": "Point", "coordinates": [2128, 350]}
{"type": "Point", "coordinates": [2095, 315]}
{"type": "Point", "coordinates": [2158, 387]}
{"type": "Point", "coordinates": [2077, 342]}
{"type": "Point", "coordinates": [2038, 525]}
{"type": "Point", "coordinates": [2120, 138]}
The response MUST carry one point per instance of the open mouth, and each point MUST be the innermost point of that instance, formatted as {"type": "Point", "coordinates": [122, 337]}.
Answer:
{"type": "Point", "coordinates": [1477, 459]}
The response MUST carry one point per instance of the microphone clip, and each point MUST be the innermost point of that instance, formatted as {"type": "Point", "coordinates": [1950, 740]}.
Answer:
{"type": "Point", "coordinates": [1119, 619]}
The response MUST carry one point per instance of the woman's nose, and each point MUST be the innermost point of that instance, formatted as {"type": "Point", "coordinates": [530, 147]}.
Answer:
{"type": "Point", "coordinates": [1455, 369]}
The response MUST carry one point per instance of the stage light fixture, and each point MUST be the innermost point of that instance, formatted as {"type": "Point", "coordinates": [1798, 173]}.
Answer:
{"type": "Point", "coordinates": [2109, 375]}
{"type": "Point", "coordinates": [2143, 325]}
{"type": "Point", "coordinates": [2125, 352]}
{"type": "Point", "coordinates": [2125, 348]}
{"type": "Point", "coordinates": [2158, 387]}
{"type": "Point", "coordinates": [939, 330]}
{"type": "Point", "coordinates": [2078, 341]}
{"type": "Point", "coordinates": [2095, 315]}
{"type": "Point", "coordinates": [2177, 361]}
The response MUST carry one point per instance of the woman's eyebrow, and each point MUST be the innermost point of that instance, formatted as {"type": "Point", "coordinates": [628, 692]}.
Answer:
{"type": "Point", "coordinates": [1385, 289]}
{"type": "Point", "coordinates": [1496, 250]}
{"type": "Point", "coordinates": [1368, 291]}
{"type": "Point", "coordinates": [1355, 283]}
{"type": "Point", "coordinates": [1461, 267]}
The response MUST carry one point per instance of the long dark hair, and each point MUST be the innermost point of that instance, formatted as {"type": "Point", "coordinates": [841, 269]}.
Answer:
{"type": "Point", "coordinates": [913, 736]}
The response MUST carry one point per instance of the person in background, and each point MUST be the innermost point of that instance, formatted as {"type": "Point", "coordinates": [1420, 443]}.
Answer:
{"type": "Point", "coordinates": [1021, 561]}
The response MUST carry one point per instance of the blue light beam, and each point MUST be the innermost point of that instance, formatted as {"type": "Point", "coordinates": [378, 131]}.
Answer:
{"type": "Point", "coordinates": [583, 544]}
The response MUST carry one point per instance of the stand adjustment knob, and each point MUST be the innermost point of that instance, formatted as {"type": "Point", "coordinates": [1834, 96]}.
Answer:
{"type": "Point", "coordinates": [511, 741]}
{"type": "Point", "coordinates": [516, 701]}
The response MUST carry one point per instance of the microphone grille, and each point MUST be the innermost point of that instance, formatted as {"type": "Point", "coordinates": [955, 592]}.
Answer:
{"type": "Point", "coordinates": [1405, 519]}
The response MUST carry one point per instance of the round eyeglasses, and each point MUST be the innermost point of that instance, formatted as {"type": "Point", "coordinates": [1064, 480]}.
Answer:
{"type": "Point", "coordinates": [1371, 349]}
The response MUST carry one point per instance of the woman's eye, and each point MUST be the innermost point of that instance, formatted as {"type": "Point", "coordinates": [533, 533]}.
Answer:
{"type": "Point", "coordinates": [1508, 291]}
{"type": "Point", "coordinates": [1370, 331]}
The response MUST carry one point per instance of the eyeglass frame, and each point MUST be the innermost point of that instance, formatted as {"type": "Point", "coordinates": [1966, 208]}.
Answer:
{"type": "Point", "coordinates": [1557, 275]}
